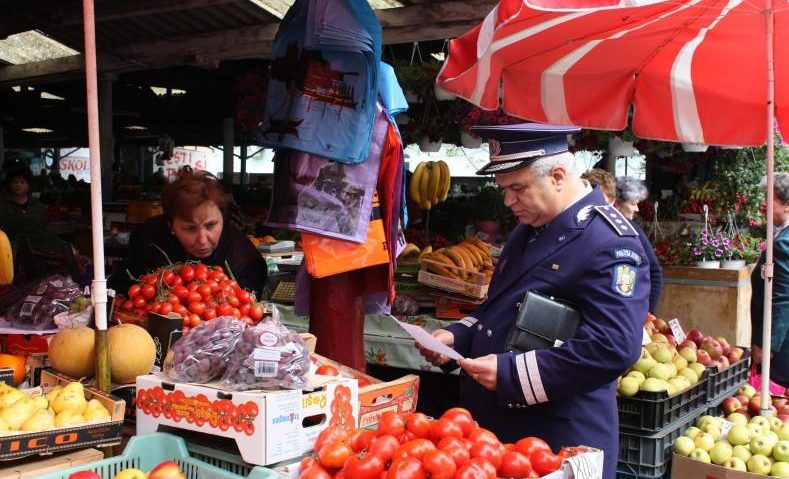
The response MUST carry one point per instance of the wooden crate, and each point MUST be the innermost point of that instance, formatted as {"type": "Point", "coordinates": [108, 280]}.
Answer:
{"type": "Point", "coordinates": [32, 467]}
{"type": "Point", "coordinates": [474, 286]}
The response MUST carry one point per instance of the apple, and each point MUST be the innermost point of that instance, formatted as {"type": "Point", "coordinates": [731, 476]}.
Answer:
{"type": "Point", "coordinates": [698, 368]}
{"type": "Point", "coordinates": [687, 343]}
{"type": "Point", "coordinates": [739, 435]}
{"type": "Point", "coordinates": [781, 451]}
{"type": "Point", "coordinates": [735, 354]}
{"type": "Point", "coordinates": [659, 371]}
{"type": "Point", "coordinates": [761, 445]}
{"type": "Point", "coordinates": [775, 423]}
{"type": "Point", "coordinates": [671, 340]}
{"type": "Point", "coordinates": [784, 417]}
{"type": "Point", "coordinates": [690, 375]}
{"type": "Point", "coordinates": [725, 347]}
{"type": "Point", "coordinates": [784, 410]}
{"type": "Point", "coordinates": [84, 475]}
{"type": "Point", "coordinates": [755, 405]}
{"type": "Point", "coordinates": [130, 474]}
{"type": "Point", "coordinates": [659, 338]}
{"type": "Point", "coordinates": [712, 347]}
{"type": "Point", "coordinates": [700, 455]}
{"type": "Point", "coordinates": [708, 419]}
{"type": "Point", "coordinates": [783, 433]}
{"type": "Point", "coordinates": [738, 418]}
{"type": "Point", "coordinates": [759, 464]}
{"type": "Point", "coordinates": [743, 399]}
{"type": "Point", "coordinates": [695, 336]}
{"type": "Point", "coordinates": [663, 354]}
{"type": "Point", "coordinates": [628, 387]}
{"type": "Point", "coordinates": [644, 362]}
{"type": "Point", "coordinates": [703, 357]}
{"type": "Point", "coordinates": [780, 469]}
{"type": "Point", "coordinates": [743, 452]}
{"type": "Point", "coordinates": [756, 430]}
{"type": "Point", "coordinates": [730, 404]}
{"type": "Point", "coordinates": [662, 326]}
{"type": "Point", "coordinates": [720, 452]}
{"type": "Point", "coordinates": [735, 463]}
{"type": "Point", "coordinates": [704, 441]}
{"type": "Point", "coordinates": [166, 470]}
{"type": "Point", "coordinates": [779, 402]}
{"type": "Point", "coordinates": [746, 390]}
{"type": "Point", "coordinates": [692, 432]}
{"type": "Point", "coordinates": [684, 445]}
{"type": "Point", "coordinates": [724, 363]}
{"type": "Point", "coordinates": [762, 421]}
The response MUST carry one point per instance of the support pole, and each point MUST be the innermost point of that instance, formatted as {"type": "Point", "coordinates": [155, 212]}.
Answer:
{"type": "Point", "coordinates": [243, 174]}
{"type": "Point", "coordinates": [337, 317]}
{"type": "Point", "coordinates": [227, 159]}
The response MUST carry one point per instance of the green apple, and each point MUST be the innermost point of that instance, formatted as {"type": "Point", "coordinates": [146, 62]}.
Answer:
{"type": "Point", "coordinates": [772, 437]}
{"type": "Point", "coordinates": [758, 464]}
{"type": "Point", "coordinates": [713, 430]}
{"type": "Point", "coordinates": [746, 390]}
{"type": "Point", "coordinates": [781, 451]}
{"type": "Point", "coordinates": [756, 430]}
{"type": "Point", "coordinates": [737, 418]}
{"type": "Point", "coordinates": [743, 452]}
{"type": "Point", "coordinates": [659, 371]}
{"type": "Point", "coordinates": [683, 445]}
{"type": "Point", "coordinates": [697, 368]}
{"type": "Point", "coordinates": [761, 445]}
{"type": "Point", "coordinates": [720, 452]}
{"type": "Point", "coordinates": [690, 374]}
{"type": "Point", "coordinates": [704, 441]}
{"type": "Point", "coordinates": [780, 469]}
{"type": "Point", "coordinates": [735, 463]}
{"type": "Point", "coordinates": [636, 374]}
{"type": "Point", "coordinates": [663, 354]}
{"type": "Point", "coordinates": [688, 354]}
{"type": "Point", "coordinates": [783, 433]}
{"type": "Point", "coordinates": [739, 435]}
{"type": "Point", "coordinates": [692, 432]}
{"type": "Point", "coordinates": [761, 421]}
{"type": "Point", "coordinates": [707, 419]}
{"type": "Point", "coordinates": [672, 370]}
{"type": "Point", "coordinates": [628, 386]}
{"type": "Point", "coordinates": [775, 423]}
{"type": "Point", "coordinates": [653, 385]}
{"type": "Point", "coordinates": [699, 454]}
{"type": "Point", "coordinates": [679, 362]}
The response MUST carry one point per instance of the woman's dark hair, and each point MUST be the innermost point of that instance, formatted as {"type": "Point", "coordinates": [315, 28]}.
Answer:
{"type": "Point", "coordinates": [18, 171]}
{"type": "Point", "coordinates": [190, 190]}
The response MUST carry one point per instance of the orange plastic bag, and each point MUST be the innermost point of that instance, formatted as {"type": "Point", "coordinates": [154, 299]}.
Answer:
{"type": "Point", "coordinates": [327, 256]}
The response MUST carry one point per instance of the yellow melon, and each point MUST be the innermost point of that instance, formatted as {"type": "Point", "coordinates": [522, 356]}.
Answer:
{"type": "Point", "coordinates": [73, 352]}
{"type": "Point", "coordinates": [132, 352]}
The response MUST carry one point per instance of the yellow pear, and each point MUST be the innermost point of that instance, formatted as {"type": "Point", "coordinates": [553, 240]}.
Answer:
{"type": "Point", "coordinates": [18, 413]}
{"type": "Point", "coordinates": [72, 397]}
{"type": "Point", "coordinates": [10, 396]}
{"type": "Point", "coordinates": [40, 402]}
{"type": "Point", "coordinates": [69, 417]}
{"type": "Point", "coordinates": [95, 411]}
{"type": "Point", "coordinates": [41, 420]}
{"type": "Point", "coordinates": [52, 394]}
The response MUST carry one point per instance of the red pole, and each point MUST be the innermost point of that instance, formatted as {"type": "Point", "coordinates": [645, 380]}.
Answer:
{"type": "Point", "coordinates": [337, 317]}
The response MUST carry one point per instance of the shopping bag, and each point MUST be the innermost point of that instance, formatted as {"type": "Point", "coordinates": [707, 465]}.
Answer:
{"type": "Point", "coordinates": [755, 380]}
{"type": "Point", "coordinates": [327, 256]}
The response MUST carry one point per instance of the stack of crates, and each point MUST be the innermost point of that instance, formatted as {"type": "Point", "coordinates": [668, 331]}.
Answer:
{"type": "Point", "coordinates": [723, 384]}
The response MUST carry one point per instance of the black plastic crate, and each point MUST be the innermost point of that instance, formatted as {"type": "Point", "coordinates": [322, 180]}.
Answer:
{"type": "Point", "coordinates": [735, 375]}
{"type": "Point", "coordinates": [648, 413]}
{"type": "Point", "coordinates": [650, 456]}
{"type": "Point", "coordinates": [625, 471]}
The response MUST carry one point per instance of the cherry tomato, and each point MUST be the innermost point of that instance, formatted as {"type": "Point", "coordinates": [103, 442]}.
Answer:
{"type": "Point", "coordinates": [187, 273]}
{"type": "Point", "coordinates": [181, 310]}
{"type": "Point", "coordinates": [165, 309]}
{"type": "Point", "coordinates": [168, 277]}
{"type": "Point", "coordinates": [212, 285]}
{"type": "Point", "coordinates": [236, 313]}
{"type": "Point", "coordinates": [545, 462]}
{"type": "Point", "coordinates": [391, 423]}
{"type": "Point", "coordinates": [334, 455]}
{"type": "Point", "coordinates": [439, 464]}
{"type": "Point", "coordinates": [173, 299]}
{"type": "Point", "coordinates": [244, 309]}
{"type": "Point", "coordinates": [181, 292]}
{"type": "Point", "coordinates": [256, 312]}
{"type": "Point", "coordinates": [201, 272]}
{"type": "Point", "coordinates": [204, 290]}
{"type": "Point", "coordinates": [515, 465]}
{"type": "Point", "coordinates": [327, 370]}
{"type": "Point", "coordinates": [194, 297]}
{"type": "Point", "coordinates": [209, 314]}
{"type": "Point", "coordinates": [128, 305]}
{"type": "Point", "coordinates": [461, 417]}
{"type": "Point", "coordinates": [140, 302]}
{"type": "Point", "coordinates": [194, 320]}
{"type": "Point", "coordinates": [224, 309]}
{"type": "Point", "coordinates": [155, 307]}
{"type": "Point", "coordinates": [243, 296]}
{"type": "Point", "coordinates": [134, 291]}
{"type": "Point", "coordinates": [148, 291]}
{"type": "Point", "coordinates": [363, 466]}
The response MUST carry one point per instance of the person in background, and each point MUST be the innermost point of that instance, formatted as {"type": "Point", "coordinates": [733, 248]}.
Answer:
{"type": "Point", "coordinates": [603, 179]}
{"type": "Point", "coordinates": [779, 346]}
{"type": "Point", "coordinates": [569, 245]}
{"type": "Point", "coordinates": [629, 192]}
{"type": "Point", "coordinates": [193, 227]}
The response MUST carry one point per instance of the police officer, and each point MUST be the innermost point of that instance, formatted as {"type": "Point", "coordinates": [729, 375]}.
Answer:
{"type": "Point", "coordinates": [570, 245]}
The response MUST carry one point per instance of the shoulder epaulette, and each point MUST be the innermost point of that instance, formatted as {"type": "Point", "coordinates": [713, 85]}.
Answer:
{"type": "Point", "coordinates": [617, 220]}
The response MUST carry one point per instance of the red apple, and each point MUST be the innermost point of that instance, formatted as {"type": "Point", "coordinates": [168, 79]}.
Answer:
{"type": "Point", "coordinates": [755, 405]}
{"type": "Point", "coordinates": [779, 402]}
{"type": "Point", "coordinates": [672, 341]}
{"type": "Point", "coordinates": [713, 347]}
{"type": "Point", "coordinates": [784, 410]}
{"type": "Point", "coordinates": [662, 326]}
{"type": "Point", "coordinates": [688, 344]}
{"type": "Point", "coordinates": [166, 470]}
{"type": "Point", "coordinates": [724, 362]}
{"type": "Point", "coordinates": [724, 345]}
{"type": "Point", "coordinates": [735, 354]}
{"type": "Point", "coordinates": [695, 336]}
{"type": "Point", "coordinates": [743, 399]}
{"type": "Point", "coordinates": [703, 357]}
{"type": "Point", "coordinates": [744, 411]}
{"type": "Point", "coordinates": [784, 417]}
{"type": "Point", "coordinates": [730, 404]}
{"type": "Point", "coordinates": [84, 475]}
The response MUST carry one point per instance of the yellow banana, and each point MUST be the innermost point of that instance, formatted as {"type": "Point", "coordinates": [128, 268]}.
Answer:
{"type": "Point", "coordinates": [413, 188]}
{"type": "Point", "coordinates": [467, 258]}
{"type": "Point", "coordinates": [445, 179]}
{"type": "Point", "coordinates": [437, 262]}
{"type": "Point", "coordinates": [6, 260]}
{"type": "Point", "coordinates": [475, 255]}
{"type": "Point", "coordinates": [410, 249]}
{"type": "Point", "coordinates": [479, 244]}
{"type": "Point", "coordinates": [435, 182]}
{"type": "Point", "coordinates": [459, 261]}
{"type": "Point", "coordinates": [424, 193]}
{"type": "Point", "coordinates": [426, 250]}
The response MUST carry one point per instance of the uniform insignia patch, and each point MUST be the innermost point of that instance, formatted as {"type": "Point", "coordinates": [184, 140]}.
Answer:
{"type": "Point", "coordinates": [583, 214]}
{"type": "Point", "coordinates": [624, 280]}
{"type": "Point", "coordinates": [619, 223]}
{"type": "Point", "coordinates": [625, 253]}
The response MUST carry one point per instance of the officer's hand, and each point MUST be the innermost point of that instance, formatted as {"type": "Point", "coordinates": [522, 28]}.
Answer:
{"type": "Point", "coordinates": [433, 357]}
{"type": "Point", "coordinates": [483, 370]}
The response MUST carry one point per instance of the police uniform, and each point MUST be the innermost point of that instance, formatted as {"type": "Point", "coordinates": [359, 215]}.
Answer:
{"type": "Point", "coordinates": [590, 256]}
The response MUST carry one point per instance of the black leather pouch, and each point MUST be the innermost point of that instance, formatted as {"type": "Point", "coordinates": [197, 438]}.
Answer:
{"type": "Point", "coordinates": [541, 321]}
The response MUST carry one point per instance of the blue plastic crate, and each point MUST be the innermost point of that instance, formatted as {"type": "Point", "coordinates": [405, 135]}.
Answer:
{"type": "Point", "coordinates": [146, 452]}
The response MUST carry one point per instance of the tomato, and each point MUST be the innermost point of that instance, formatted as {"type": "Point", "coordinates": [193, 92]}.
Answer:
{"type": "Point", "coordinates": [196, 307]}
{"type": "Point", "coordinates": [148, 279]}
{"type": "Point", "coordinates": [470, 471]}
{"type": "Point", "coordinates": [307, 463]}
{"type": "Point", "coordinates": [384, 447]}
{"type": "Point", "coordinates": [173, 299]}
{"type": "Point", "coordinates": [406, 468]}
{"type": "Point", "coordinates": [201, 272]}
{"type": "Point", "coordinates": [330, 435]}
{"type": "Point", "coordinates": [148, 291]}
{"type": "Point", "coordinates": [529, 445]}
{"type": "Point", "coordinates": [165, 309]}
{"type": "Point", "coordinates": [187, 273]}
{"type": "Point", "coordinates": [168, 277]}
{"type": "Point", "coordinates": [570, 451]}
{"type": "Point", "coordinates": [485, 465]}
{"type": "Point", "coordinates": [362, 440]}
{"type": "Point", "coordinates": [481, 434]}
{"type": "Point", "coordinates": [444, 428]}
{"type": "Point", "coordinates": [334, 455]}
{"type": "Point", "coordinates": [181, 292]}
{"type": "Point", "coordinates": [515, 465]}
{"type": "Point", "coordinates": [194, 297]}
{"type": "Point", "coordinates": [391, 423]}
{"type": "Point", "coordinates": [462, 418]}
{"type": "Point", "coordinates": [256, 312]}
{"type": "Point", "coordinates": [209, 313]}
{"type": "Point", "coordinates": [140, 302]}
{"type": "Point", "coordinates": [439, 464]}
{"type": "Point", "coordinates": [418, 424]}
{"type": "Point", "coordinates": [363, 466]}
{"type": "Point", "coordinates": [487, 451]}
{"type": "Point", "coordinates": [233, 301]}
{"type": "Point", "coordinates": [205, 291]}
{"type": "Point", "coordinates": [415, 448]}
{"type": "Point", "coordinates": [459, 454]}
{"type": "Point", "coordinates": [194, 321]}
{"type": "Point", "coordinates": [128, 305]}
{"type": "Point", "coordinates": [181, 310]}
{"type": "Point", "coordinates": [244, 309]}
{"type": "Point", "coordinates": [314, 472]}
{"type": "Point", "coordinates": [327, 370]}
{"type": "Point", "coordinates": [545, 462]}
{"type": "Point", "coordinates": [224, 309]}
{"type": "Point", "coordinates": [134, 291]}
{"type": "Point", "coordinates": [243, 296]}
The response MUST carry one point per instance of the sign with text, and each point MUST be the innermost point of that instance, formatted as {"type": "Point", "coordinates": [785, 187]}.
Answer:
{"type": "Point", "coordinates": [196, 159]}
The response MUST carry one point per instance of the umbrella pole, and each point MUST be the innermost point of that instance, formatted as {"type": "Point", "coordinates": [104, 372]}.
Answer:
{"type": "Point", "coordinates": [99, 285]}
{"type": "Point", "coordinates": [769, 16]}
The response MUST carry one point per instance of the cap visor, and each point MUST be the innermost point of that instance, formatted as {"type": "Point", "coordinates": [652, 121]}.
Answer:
{"type": "Point", "coordinates": [504, 166]}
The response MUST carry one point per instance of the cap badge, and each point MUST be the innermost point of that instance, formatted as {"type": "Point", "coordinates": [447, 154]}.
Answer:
{"type": "Point", "coordinates": [494, 147]}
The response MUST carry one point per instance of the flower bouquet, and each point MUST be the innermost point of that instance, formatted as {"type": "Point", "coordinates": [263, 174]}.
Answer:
{"type": "Point", "coordinates": [709, 247]}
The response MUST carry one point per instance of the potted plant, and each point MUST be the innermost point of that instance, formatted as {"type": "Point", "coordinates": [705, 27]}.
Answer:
{"type": "Point", "coordinates": [743, 249]}
{"type": "Point", "coordinates": [708, 247]}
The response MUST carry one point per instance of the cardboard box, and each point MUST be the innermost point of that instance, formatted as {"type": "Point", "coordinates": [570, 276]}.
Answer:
{"type": "Point", "coordinates": [94, 434]}
{"type": "Point", "coordinates": [27, 469]}
{"type": "Point", "coordinates": [684, 468]}
{"type": "Point", "coordinates": [376, 396]}
{"type": "Point", "coordinates": [7, 376]}
{"type": "Point", "coordinates": [267, 426]}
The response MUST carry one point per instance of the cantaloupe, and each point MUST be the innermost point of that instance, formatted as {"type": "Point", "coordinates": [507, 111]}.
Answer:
{"type": "Point", "coordinates": [73, 352]}
{"type": "Point", "coordinates": [132, 353]}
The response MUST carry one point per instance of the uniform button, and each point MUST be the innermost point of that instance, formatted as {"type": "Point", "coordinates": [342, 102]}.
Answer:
{"type": "Point", "coordinates": [490, 333]}
{"type": "Point", "coordinates": [561, 238]}
{"type": "Point", "coordinates": [479, 327]}
{"type": "Point", "coordinates": [509, 406]}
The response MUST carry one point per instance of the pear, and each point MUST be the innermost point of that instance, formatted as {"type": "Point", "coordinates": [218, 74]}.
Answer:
{"type": "Point", "coordinates": [40, 402]}
{"type": "Point", "coordinates": [644, 362]}
{"type": "Point", "coordinates": [697, 368]}
{"type": "Point", "coordinates": [629, 386]}
{"type": "Point", "coordinates": [662, 354]}
{"type": "Point", "coordinates": [52, 394]}
{"type": "Point", "coordinates": [72, 397]}
{"type": "Point", "coordinates": [95, 411]}
{"type": "Point", "coordinates": [10, 396]}
{"type": "Point", "coordinates": [18, 413]}
{"type": "Point", "coordinates": [690, 375]}
{"type": "Point", "coordinates": [4, 428]}
{"type": "Point", "coordinates": [69, 417]}
{"type": "Point", "coordinates": [41, 420]}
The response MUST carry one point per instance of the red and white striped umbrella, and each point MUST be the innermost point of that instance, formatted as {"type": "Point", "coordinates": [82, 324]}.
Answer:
{"type": "Point", "coordinates": [693, 71]}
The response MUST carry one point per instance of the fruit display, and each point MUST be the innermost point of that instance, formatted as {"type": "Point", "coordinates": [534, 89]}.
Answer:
{"type": "Point", "coordinates": [60, 407]}
{"type": "Point", "coordinates": [461, 260]}
{"type": "Point", "coordinates": [748, 402]}
{"type": "Point", "coordinates": [759, 445]}
{"type": "Point", "coordinates": [165, 470]}
{"type": "Point", "coordinates": [430, 183]}
{"type": "Point", "coordinates": [414, 252]}
{"type": "Point", "coordinates": [413, 445]}
{"type": "Point", "coordinates": [201, 355]}
{"type": "Point", "coordinates": [194, 291]}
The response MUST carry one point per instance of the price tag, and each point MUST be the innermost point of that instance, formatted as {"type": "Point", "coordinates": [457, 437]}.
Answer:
{"type": "Point", "coordinates": [645, 339]}
{"type": "Point", "coordinates": [676, 330]}
{"type": "Point", "coordinates": [725, 428]}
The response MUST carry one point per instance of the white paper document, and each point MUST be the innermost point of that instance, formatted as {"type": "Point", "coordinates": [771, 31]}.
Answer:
{"type": "Point", "coordinates": [427, 340]}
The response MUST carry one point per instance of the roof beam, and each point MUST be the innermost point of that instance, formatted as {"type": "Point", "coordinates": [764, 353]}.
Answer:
{"type": "Point", "coordinates": [133, 8]}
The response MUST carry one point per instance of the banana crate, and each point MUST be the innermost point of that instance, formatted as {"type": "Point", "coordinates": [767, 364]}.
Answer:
{"type": "Point", "coordinates": [467, 283]}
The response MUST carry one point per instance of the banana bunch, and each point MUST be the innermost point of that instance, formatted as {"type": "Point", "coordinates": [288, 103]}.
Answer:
{"type": "Point", "coordinates": [413, 250]}
{"type": "Point", "coordinates": [430, 183]}
{"type": "Point", "coordinates": [463, 260]}
{"type": "Point", "coordinates": [704, 193]}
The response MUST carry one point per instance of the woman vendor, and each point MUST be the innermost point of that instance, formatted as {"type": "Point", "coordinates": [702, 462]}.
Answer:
{"type": "Point", "coordinates": [193, 227]}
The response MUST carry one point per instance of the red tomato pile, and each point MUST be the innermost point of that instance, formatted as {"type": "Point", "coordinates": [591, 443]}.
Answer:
{"type": "Point", "coordinates": [194, 291]}
{"type": "Point", "coordinates": [413, 446]}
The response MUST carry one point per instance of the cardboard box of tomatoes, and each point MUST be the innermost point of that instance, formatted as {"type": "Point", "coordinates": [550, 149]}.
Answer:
{"type": "Point", "coordinates": [267, 426]}
{"type": "Point", "coordinates": [375, 396]}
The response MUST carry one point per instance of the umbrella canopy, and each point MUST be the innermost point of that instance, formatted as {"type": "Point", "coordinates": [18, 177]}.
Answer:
{"type": "Point", "coordinates": [693, 71]}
